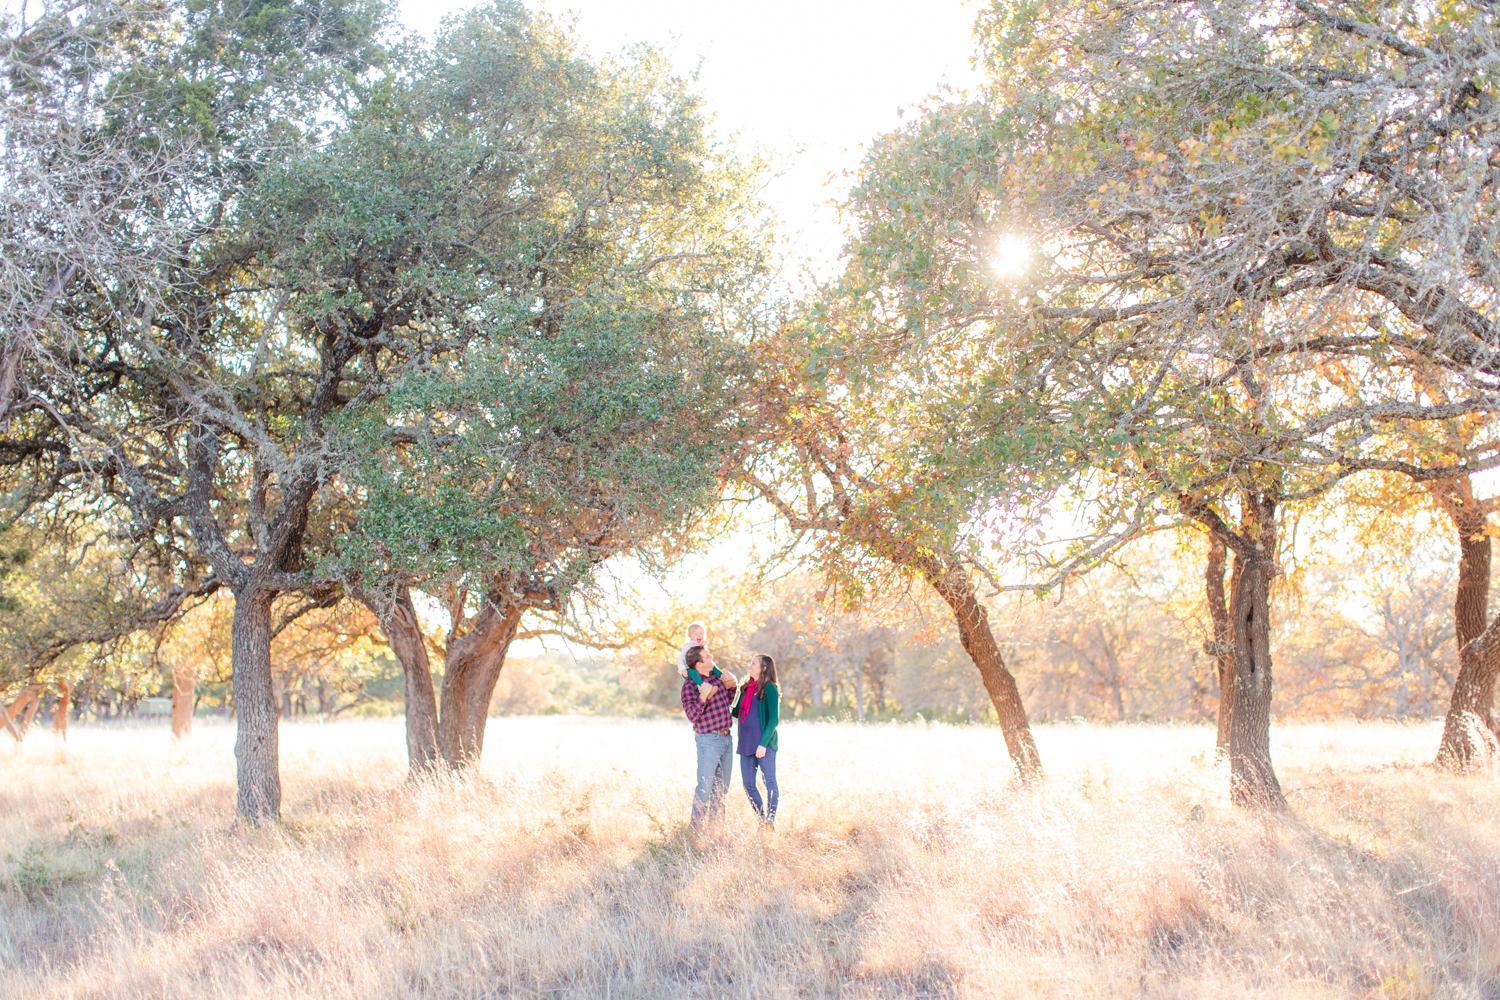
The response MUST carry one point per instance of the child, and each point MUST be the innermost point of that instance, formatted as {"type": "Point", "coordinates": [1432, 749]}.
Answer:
{"type": "Point", "coordinates": [696, 634]}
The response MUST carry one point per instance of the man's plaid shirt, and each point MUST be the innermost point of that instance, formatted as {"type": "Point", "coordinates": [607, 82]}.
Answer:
{"type": "Point", "coordinates": [711, 716]}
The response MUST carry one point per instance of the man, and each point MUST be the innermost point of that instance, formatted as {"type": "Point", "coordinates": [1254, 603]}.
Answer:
{"type": "Point", "coordinates": [707, 707]}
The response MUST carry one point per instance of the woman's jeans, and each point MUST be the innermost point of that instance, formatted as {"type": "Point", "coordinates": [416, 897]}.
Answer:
{"type": "Point", "coordinates": [714, 755]}
{"type": "Point", "coordinates": [765, 810]}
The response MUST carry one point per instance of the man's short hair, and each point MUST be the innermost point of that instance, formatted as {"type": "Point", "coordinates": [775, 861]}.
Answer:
{"type": "Point", "coordinates": [695, 656]}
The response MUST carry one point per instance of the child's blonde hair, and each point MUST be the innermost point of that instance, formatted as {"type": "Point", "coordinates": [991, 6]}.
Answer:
{"type": "Point", "coordinates": [696, 625]}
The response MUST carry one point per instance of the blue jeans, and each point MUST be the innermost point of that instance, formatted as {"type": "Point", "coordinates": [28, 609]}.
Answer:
{"type": "Point", "coordinates": [767, 764]}
{"type": "Point", "coordinates": [714, 753]}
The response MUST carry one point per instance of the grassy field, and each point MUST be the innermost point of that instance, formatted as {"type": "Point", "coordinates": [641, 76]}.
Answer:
{"type": "Point", "coordinates": [904, 865]}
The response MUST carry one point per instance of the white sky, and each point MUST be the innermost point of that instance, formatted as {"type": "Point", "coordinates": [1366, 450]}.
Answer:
{"type": "Point", "coordinates": [809, 81]}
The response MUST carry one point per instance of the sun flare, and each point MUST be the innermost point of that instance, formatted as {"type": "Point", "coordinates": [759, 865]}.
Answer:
{"type": "Point", "coordinates": [1012, 254]}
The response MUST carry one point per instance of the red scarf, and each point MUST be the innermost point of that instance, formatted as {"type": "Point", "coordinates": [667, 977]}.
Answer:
{"type": "Point", "coordinates": [748, 697]}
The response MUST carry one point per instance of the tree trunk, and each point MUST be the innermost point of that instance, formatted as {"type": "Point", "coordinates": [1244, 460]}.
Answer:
{"type": "Point", "coordinates": [1221, 645]}
{"type": "Point", "coordinates": [33, 704]}
{"type": "Point", "coordinates": [404, 634]}
{"type": "Point", "coordinates": [1469, 730]}
{"type": "Point", "coordinates": [1252, 779]}
{"type": "Point", "coordinates": [469, 663]}
{"type": "Point", "coordinates": [859, 692]}
{"type": "Point", "coordinates": [1471, 598]}
{"type": "Point", "coordinates": [955, 587]}
{"type": "Point", "coordinates": [482, 683]}
{"type": "Point", "coordinates": [64, 706]}
{"type": "Point", "coordinates": [23, 339]}
{"type": "Point", "coordinates": [256, 747]}
{"type": "Point", "coordinates": [471, 669]}
{"type": "Point", "coordinates": [1468, 741]}
{"type": "Point", "coordinates": [878, 667]}
{"type": "Point", "coordinates": [184, 680]}
{"type": "Point", "coordinates": [23, 708]}
{"type": "Point", "coordinates": [450, 731]}
{"type": "Point", "coordinates": [1116, 682]}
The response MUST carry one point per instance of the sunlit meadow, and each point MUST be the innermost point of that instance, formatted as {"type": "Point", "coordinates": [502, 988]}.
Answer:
{"type": "Point", "coordinates": [903, 864]}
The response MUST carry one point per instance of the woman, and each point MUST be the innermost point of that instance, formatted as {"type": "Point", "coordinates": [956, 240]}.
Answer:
{"type": "Point", "coordinates": [757, 706]}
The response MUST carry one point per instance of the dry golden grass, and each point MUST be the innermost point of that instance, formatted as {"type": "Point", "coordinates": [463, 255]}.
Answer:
{"type": "Point", "coordinates": [903, 866]}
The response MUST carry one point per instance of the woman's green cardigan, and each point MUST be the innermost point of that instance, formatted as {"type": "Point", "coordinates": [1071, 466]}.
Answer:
{"type": "Point", "coordinates": [770, 711]}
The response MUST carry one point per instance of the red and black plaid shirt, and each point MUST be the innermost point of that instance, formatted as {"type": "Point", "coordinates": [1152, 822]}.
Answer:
{"type": "Point", "coordinates": [711, 716]}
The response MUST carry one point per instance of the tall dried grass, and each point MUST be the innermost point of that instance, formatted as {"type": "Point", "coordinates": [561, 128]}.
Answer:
{"type": "Point", "coordinates": [903, 865]}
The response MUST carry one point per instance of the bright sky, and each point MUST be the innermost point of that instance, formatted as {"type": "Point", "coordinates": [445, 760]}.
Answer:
{"type": "Point", "coordinates": [809, 81]}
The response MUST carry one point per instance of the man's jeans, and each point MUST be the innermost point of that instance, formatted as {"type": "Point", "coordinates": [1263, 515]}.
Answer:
{"type": "Point", "coordinates": [714, 755]}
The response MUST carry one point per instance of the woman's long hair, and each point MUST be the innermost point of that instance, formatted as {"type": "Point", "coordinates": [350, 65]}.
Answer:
{"type": "Point", "coordinates": [767, 675]}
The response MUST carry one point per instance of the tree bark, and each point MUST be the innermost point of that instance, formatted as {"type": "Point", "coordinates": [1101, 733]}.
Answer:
{"type": "Point", "coordinates": [1472, 595]}
{"type": "Point", "coordinates": [184, 680]}
{"type": "Point", "coordinates": [859, 692]}
{"type": "Point", "coordinates": [1252, 778]}
{"type": "Point", "coordinates": [450, 731]}
{"type": "Point", "coordinates": [955, 588]}
{"type": "Point", "coordinates": [421, 697]}
{"type": "Point", "coordinates": [404, 635]}
{"type": "Point", "coordinates": [23, 708]}
{"type": "Point", "coordinates": [1468, 741]}
{"type": "Point", "coordinates": [1116, 682]}
{"type": "Point", "coordinates": [482, 683]}
{"type": "Point", "coordinates": [64, 706]}
{"type": "Point", "coordinates": [1469, 730]}
{"type": "Point", "coordinates": [467, 664]}
{"type": "Point", "coordinates": [452, 734]}
{"type": "Point", "coordinates": [257, 744]}
{"type": "Point", "coordinates": [10, 726]}
{"type": "Point", "coordinates": [22, 340]}
{"type": "Point", "coordinates": [1221, 645]}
